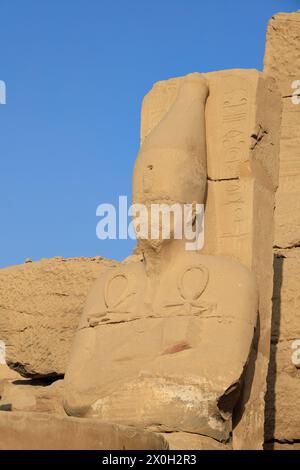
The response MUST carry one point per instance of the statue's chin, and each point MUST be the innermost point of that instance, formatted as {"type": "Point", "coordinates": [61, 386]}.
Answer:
{"type": "Point", "coordinates": [153, 245]}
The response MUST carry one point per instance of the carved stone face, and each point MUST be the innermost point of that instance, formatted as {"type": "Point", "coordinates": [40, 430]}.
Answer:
{"type": "Point", "coordinates": [168, 176]}
{"type": "Point", "coordinates": [171, 165]}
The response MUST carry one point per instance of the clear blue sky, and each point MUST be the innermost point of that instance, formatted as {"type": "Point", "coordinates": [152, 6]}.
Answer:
{"type": "Point", "coordinates": [76, 72]}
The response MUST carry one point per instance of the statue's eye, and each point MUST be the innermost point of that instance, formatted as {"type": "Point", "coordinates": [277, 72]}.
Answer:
{"type": "Point", "coordinates": [150, 167]}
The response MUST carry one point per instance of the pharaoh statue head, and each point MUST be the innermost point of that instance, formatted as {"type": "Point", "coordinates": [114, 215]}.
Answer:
{"type": "Point", "coordinates": [171, 165]}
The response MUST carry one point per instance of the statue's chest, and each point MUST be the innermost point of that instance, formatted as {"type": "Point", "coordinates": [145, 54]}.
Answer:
{"type": "Point", "coordinates": [180, 291]}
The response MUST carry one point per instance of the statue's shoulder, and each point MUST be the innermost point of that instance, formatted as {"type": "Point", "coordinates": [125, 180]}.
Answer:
{"type": "Point", "coordinates": [219, 266]}
{"type": "Point", "coordinates": [124, 270]}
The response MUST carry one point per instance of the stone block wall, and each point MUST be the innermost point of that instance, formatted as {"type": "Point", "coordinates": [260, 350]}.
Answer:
{"type": "Point", "coordinates": [282, 62]}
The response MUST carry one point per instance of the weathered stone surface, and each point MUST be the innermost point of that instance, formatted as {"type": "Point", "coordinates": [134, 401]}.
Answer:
{"type": "Point", "coordinates": [166, 372]}
{"type": "Point", "coordinates": [282, 420]}
{"type": "Point", "coordinates": [188, 441]}
{"type": "Point", "coordinates": [8, 374]}
{"type": "Point", "coordinates": [282, 61]}
{"type": "Point", "coordinates": [40, 305]}
{"type": "Point", "coordinates": [17, 399]}
{"type": "Point", "coordinates": [286, 313]}
{"type": "Point", "coordinates": [2, 353]}
{"type": "Point", "coordinates": [39, 431]}
{"type": "Point", "coordinates": [28, 395]}
{"type": "Point", "coordinates": [286, 425]}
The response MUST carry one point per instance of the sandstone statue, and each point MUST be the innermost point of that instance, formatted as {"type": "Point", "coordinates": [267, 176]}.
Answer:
{"type": "Point", "coordinates": [171, 348]}
{"type": "Point", "coordinates": [163, 342]}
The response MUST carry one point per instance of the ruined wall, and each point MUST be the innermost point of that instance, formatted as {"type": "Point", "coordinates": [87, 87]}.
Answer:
{"type": "Point", "coordinates": [282, 61]}
{"type": "Point", "coordinates": [39, 311]}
